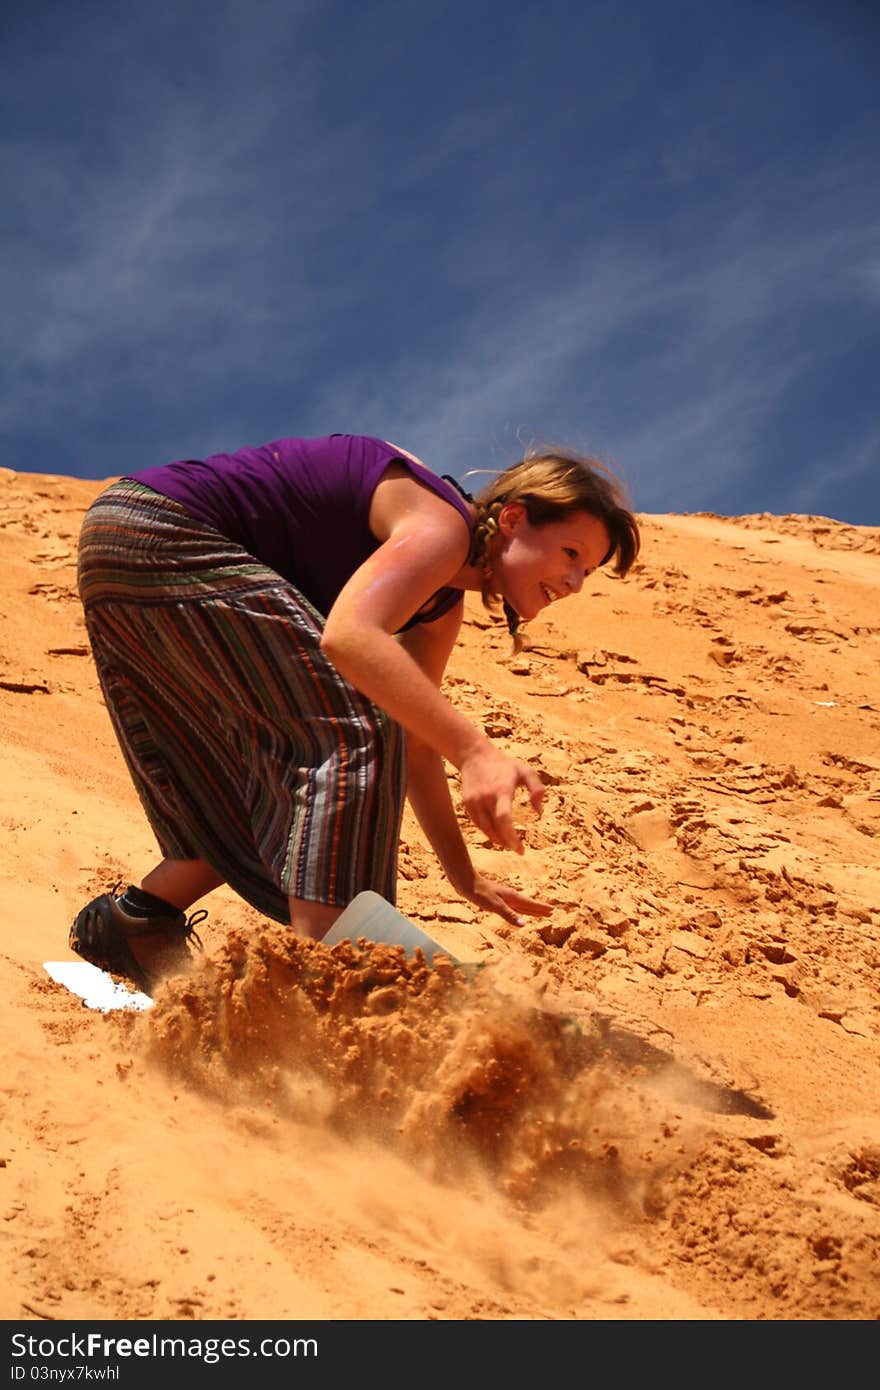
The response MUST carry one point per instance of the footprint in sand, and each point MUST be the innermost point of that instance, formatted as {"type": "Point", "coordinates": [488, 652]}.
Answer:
{"type": "Point", "coordinates": [650, 829]}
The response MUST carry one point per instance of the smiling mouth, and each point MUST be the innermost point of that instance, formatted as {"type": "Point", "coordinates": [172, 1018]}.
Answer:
{"type": "Point", "coordinates": [549, 594]}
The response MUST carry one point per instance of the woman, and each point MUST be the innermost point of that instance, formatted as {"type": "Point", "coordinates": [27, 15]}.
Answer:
{"type": "Point", "coordinates": [270, 630]}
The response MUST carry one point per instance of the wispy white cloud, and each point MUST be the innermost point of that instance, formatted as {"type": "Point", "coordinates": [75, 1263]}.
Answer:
{"type": "Point", "coordinates": [297, 243]}
{"type": "Point", "coordinates": [840, 474]}
{"type": "Point", "coordinates": [682, 406]}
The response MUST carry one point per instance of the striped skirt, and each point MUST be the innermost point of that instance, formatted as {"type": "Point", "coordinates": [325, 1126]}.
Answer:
{"type": "Point", "coordinates": [246, 746]}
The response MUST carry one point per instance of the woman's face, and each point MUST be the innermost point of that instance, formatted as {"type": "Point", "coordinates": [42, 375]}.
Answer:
{"type": "Point", "coordinates": [537, 565]}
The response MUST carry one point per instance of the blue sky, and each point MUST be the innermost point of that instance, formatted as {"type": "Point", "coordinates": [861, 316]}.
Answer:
{"type": "Point", "coordinates": [647, 230]}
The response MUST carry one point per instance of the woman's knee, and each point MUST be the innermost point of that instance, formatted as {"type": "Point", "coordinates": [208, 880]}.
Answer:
{"type": "Point", "coordinates": [312, 919]}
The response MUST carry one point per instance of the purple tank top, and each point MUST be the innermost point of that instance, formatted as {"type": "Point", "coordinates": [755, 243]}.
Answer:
{"type": "Point", "coordinates": [300, 506]}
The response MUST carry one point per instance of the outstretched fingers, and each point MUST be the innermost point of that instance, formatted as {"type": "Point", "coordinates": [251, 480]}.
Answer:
{"type": "Point", "coordinates": [534, 786]}
{"type": "Point", "coordinates": [505, 830]}
{"type": "Point", "coordinates": [525, 777]}
{"type": "Point", "coordinates": [507, 902]}
{"type": "Point", "coordinates": [489, 785]}
{"type": "Point", "coordinates": [520, 904]}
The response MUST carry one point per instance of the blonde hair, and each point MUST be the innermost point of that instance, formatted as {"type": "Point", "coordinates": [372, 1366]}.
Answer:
{"type": "Point", "coordinates": [552, 486]}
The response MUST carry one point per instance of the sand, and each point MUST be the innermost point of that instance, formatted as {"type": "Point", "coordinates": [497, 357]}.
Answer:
{"type": "Point", "coordinates": [663, 1102]}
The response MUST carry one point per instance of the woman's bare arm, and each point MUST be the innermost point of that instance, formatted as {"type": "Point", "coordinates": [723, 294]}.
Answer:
{"type": "Point", "coordinates": [424, 546]}
{"type": "Point", "coordinates": [430, 645]}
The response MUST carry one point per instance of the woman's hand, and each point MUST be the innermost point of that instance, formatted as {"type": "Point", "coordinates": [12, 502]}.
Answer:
{"type": "Point", "coordinates": [507, 902]}
{"type": "Point", "coordinates": [489, 782]}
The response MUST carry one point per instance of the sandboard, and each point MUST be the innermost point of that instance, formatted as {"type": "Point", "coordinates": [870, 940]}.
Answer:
{"type": "Point", "coordinates": [370, 916]}
{"type": "Point", "coordinates": [95, 987]}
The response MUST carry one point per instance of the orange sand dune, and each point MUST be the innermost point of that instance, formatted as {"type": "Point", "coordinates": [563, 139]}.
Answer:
{"type": "Point", "coordinates": [661, 1103]}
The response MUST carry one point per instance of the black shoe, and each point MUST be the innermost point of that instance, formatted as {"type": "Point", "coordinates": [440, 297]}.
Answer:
{"type": "Point", "coordinates": [101, 931]}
